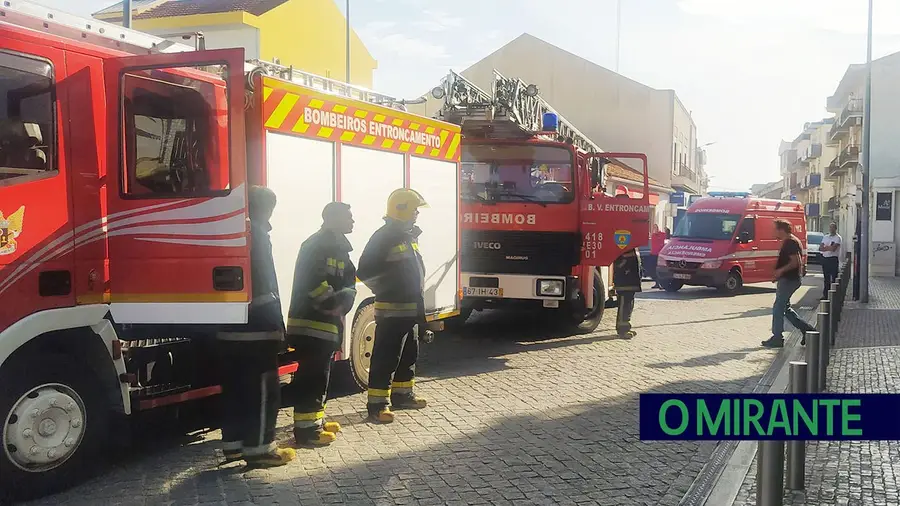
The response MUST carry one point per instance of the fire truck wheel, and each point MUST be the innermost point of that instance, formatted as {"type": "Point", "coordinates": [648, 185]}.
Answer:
{"type": "Point", "coordinates": [362, 340]}
{"type": "Point", "coordinates": [586, 323]}
{"type": "Point", "coordinates": [457, 322]}
{"type": "Point", "coordinates": [54, 423]}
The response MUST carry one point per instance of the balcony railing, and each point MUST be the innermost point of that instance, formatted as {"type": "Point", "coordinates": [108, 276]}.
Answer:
{"type": "Point", "coordinates": [811, 181]}
{"type": "Point", "coordinates": [812, 210]}
{"type": "Point", "coordinates": [850, 154]}
{"type": "Point", "coordinates": [853, 109]}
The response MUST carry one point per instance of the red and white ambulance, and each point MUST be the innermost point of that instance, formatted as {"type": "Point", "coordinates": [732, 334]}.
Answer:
{"type": "Point", "coordinates": [726, 242]}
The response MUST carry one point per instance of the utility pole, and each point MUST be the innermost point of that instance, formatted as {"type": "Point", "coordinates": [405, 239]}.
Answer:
{"type": "Point", "coordinates": [867, 138]}
{"type": "Point", "coordinates": [126, 13]}
{"type": "Point", "coordinates": [618, 31]}
{"type": "Point", "coordinates": [347, 74]}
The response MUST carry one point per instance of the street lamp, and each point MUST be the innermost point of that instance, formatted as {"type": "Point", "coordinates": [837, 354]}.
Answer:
{"type": "Point", "coordinates": [867, 122]}
{"type": "Point", "coordinates": [347, 74]}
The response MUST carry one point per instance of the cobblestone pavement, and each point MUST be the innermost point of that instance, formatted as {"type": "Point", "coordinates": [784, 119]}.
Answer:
{"type": "Point", "coordinates": [865, 359]}
{"type": "Point", "coordinates": [514, 418]}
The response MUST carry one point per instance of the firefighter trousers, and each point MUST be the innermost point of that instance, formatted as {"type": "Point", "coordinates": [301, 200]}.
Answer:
{"type": "Point", "coordinates": [250, 394]}
{"type": "Point", "coordinates": [626, 308]}
{"type": "Point", "coordinates": [394, 356]}
{"type": "Point", "coordinates": [309, 389]}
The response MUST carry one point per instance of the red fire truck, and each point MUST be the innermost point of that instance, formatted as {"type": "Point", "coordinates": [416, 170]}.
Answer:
{"type": "Point", "coordinates": [124, 167]}
{"type": "Point", "coordinates": [538, 231]}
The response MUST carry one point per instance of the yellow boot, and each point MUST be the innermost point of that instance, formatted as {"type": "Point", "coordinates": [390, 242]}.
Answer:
{"type": "Point", "coordinates": [333, 427]}
{"type": "Point", "coordinates": [380, 414]}
{"type": "Point", "coordinates": [314, 437]}
{"type": "Point", "coordinates": [275, 458]}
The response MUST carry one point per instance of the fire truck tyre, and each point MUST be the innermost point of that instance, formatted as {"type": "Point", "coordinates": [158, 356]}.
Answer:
{"type": "Point", "coordinates": [362, 340]}
{"type": "Point", "coordinates": [457, 322]}
{"type": "Point", "coordinates": [582, 323]}
{"type": "Point", "coordinates": [733, 283]}
{"type": "Point", "coordinates": [672, 285]}
{"type": "Point", "coordinates": [55, 426]}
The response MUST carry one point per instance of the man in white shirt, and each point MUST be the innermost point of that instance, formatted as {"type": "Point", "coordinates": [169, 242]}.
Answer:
{"type": "Point", "coordinates": [831, 253]}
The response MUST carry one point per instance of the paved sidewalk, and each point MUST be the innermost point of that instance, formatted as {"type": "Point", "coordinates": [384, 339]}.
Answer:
{"type": "Point", "coordinates": [865, 359]}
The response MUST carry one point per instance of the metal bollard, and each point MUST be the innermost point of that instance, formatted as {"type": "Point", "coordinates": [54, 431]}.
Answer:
{"type": "Point", "coordinates": [813, 355]}
{"type": "Point", "coordinates": [770, 473]}
{"type": "Point", "coordinates": [835, 307]}
{"type": "Point", "coordinates": [824, 350]}
{"type": "Point", "coordinates": [836, 287]}
{"type": "Point", "coordinates": [796, 450]}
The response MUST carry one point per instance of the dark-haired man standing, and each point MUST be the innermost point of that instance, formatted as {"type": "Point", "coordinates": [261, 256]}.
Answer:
{"type": "Point", "coordinates": [787, 278]}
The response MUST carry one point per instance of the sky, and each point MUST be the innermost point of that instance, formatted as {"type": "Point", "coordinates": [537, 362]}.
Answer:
{"type": "Point", "coordinates": [751, 72]}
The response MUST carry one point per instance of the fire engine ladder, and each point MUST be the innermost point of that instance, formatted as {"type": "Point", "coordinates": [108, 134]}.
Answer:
{"type": "Point", "coordinates": [100, 33]}
{"type": "Point", "coordinates": [513, 108]}
{"type": "Point", "coordinates": [327, 85]}
{"type": "Point", "coordinates": [62, 24]}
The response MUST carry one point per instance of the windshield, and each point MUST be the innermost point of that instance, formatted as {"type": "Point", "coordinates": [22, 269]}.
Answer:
{"type": "Point", "coordinates": [814, 238]}
{"type": "Point", "coordinates": [707, 226]}
{"type": "Point", "coordinates": [517, 173]}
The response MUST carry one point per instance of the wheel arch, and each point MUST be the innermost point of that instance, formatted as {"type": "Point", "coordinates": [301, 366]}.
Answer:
{"type": "Point", "coordinates": [82, 333]}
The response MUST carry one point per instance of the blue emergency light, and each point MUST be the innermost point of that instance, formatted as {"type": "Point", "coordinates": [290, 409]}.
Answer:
{"type": "Point", "coordinates": [550, 122]}
{"type": "Point", "coordinates": [729, 194]}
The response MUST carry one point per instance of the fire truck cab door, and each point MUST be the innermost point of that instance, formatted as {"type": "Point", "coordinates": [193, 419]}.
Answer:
{"type": "Point", "coordinates": [614, 224]}
{"type": "Point", "coordinates": [177, 221]}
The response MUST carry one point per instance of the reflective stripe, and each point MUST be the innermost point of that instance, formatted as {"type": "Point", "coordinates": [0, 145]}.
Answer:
{"type": "Point", "coordinates": [403, 384]}
{"type": "Point", "coordinates": [312, 324]}
{"type": "Point", "coordinates": [396, 313]}
{"type": "Point", "coordinates": [302, 417]}
{"type": "Point", "coordinates": [232, 446]}
{"type": "Point", "coordinates": [311, 328]}
{"type": "Point", "coordinates": [378, 393]}
{"type": "Point", "coordinates": [308, 420]}
{"type": "Point", "coordinates": [396, 305]}
{"type": "Point", "coordinates": [259, 450]}
{"type": "Point", "coordinates": [251, 336]}
{"type": "Point", "coordinates": [320, 290]}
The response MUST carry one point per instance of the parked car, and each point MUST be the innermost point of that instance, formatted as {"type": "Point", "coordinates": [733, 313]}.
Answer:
{"type": "Point", "coordinates": [813, 243]}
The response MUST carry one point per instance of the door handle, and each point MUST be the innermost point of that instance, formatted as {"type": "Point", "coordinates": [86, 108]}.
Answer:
{"type": "Point", "coordinates": [228, 279]}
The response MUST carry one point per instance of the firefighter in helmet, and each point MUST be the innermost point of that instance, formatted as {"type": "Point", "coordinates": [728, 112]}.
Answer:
{"type": "Point", "coordinates": [392, 268]}
{"type": "Point", "coordinates": [323, 293]}
{"type": "Point", "coordinates": [626, 282]}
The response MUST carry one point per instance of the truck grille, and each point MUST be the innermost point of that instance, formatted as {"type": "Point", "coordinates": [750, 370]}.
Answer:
{"type": "Point", "coordinates": [682, 264]}
{"type": "Point", "coordinates": [507, 252]}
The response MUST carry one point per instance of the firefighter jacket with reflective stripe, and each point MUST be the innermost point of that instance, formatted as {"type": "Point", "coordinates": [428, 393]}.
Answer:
{"type": "Point", "coordinates": [324, 281]}
{"type": "Point", "coordinates": [392, 268]}
{"type": "Point", "coordinates": [264, 317]}
{"type": "Point", "coordinates": [627, 272]}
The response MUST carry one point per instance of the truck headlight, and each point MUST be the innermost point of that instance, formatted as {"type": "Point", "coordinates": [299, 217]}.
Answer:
{"type": "Point", "coordinates": [550, 287]}
{"type": "Point", "coordinates": [712, 264]}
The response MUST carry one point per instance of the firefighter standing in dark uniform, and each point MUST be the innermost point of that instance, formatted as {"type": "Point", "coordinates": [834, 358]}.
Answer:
{"type": "Point", "coordinates": [248, 354]}
{"type": "Point", "coordinates": [627, 282]}
{"type": "Point", "coordinates": [323, 293]}
{"type": "Point", "coordinates": [392, 268]}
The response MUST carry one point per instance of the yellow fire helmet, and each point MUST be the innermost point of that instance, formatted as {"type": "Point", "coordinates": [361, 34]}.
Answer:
{"type": "Point", "coordinates": [402, 204]}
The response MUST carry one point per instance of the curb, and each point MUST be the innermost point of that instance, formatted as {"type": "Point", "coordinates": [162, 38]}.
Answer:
{"type": "Point", "coordinates": [722, 477]}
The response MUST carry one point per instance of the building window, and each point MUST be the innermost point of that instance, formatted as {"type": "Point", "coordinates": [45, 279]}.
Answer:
{"type": "Point", "coordinates": [27, 119]}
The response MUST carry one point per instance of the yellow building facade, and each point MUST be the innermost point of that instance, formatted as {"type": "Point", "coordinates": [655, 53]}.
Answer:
{"type": "Point", "coordinates": [308, 34]}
